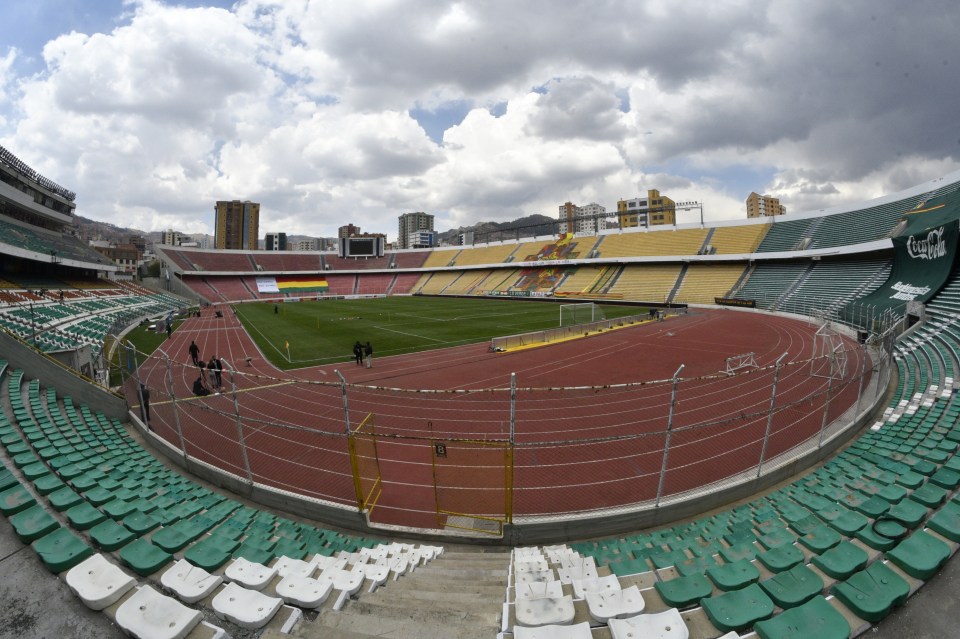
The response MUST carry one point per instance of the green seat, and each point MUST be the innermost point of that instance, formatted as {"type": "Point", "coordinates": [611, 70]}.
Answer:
{"type": "Point", "coordinates": [108, 535]}
{"type": "Point", "coordinates": [84, 482]}
{"type": "Point", "coordinates": [33, 472]}
{"type": "Point", "coordinates": [695, 564]}
{"type": "Point", "coordinates": [947, 522]}
{"type": "Point", "coordinates": [64, 499]}
{"type": "Point", "coordinates": [743, 550]}
{"type": "Point", "coordinates": [873, 592]}
{"type": "Point", "coordinates": [815, 618]}
{"type": "Point", "coordinates": [733, 575]}
{"type": "Point", "coordinates": [663, 559]}
{"type": "Point", "coordinates": [683, 591]}
{"type": "Point", "coordinates": [118, 509]}
{"type": "Point", "coordinates": [776, 538]}
{"type": "Point", "coordinates": [174, 538]}
{"type": "Point", "coordinates": [260, 555]}
{"type": "Point", "coordinates": [83, 516]}
{"type": "Point", "coordinates": [781, 558]}
{"type": "Point", "coordinates": [15, 499]}
{"type": "Point", "coordinates": [821, 538]}
{"type": "Point", "coordinates": [33, 523]}
{"type": "Point", "coordinates": [212, 552]}
{"type": "Point", "coordinates": [842, 560]}
{"type": "Point", "coordinates": [7, 479]}
{"type": "Point", "coordinates": [908, 512]}
{"type": "Point", "coordinates": [947, 478]}
{"type": "Point", "coordinates": [738, 609]}
{"type": "Point", "coordinates": [290, 548]}
{"type": "Point", "coordinates": [99, 496]}
{"type": "Point", "coordinates": [48, 483]}
{"type": "Point", "coordinates": [144, 558]}
{"type": "Point", "coordinates": [874, 507]}
{"type": "Point", "coordinates": [930, 495]}
{"type": "Point", "coordinates": [883, 534]}
{"type": "Point", "coordinates": [61, 550]}
{"type": "Point", "coordinates": [793, 587]}
{"type": "Point", "coordinates": [139, 522]}
{"type": "Point", "coordinates": [920, 555]}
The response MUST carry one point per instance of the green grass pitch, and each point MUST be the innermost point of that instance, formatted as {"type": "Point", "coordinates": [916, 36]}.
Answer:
{"type": "Point", "coordinates": [323, 332]}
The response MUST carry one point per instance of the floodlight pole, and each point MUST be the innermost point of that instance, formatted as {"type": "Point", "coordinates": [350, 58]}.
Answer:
{"type": "Point", "coordinates": [666, 446]}
{"type": "Point", "coordinates": [773, 399]}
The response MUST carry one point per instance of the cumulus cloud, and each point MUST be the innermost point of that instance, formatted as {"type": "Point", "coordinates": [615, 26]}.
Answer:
{"type": "Point", "coordinates": [306, 107]}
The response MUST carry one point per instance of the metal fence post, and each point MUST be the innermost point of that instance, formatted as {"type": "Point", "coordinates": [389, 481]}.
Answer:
{"type": "Point", "coordinates": [773, 399]}
{"type": "Point", "coordinates": [343, 393]}
{"type": "Point", "coordinates": [236, 410]}
{"type": "Point", "coordinates": [863, 374]}
{"type": "Point", "coordinates": [666, 445]}
{"type": "Point", "coordinates": [826, 405]}
{"type": "Point", "coordinates": [168, 381]}
{"type": "Point", "coordinates": [513, 408]}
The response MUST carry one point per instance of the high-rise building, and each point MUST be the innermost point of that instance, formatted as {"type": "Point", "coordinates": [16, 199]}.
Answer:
{"type": "Point", "coordinates": [764, 205]}
{"type": "Point", "coordinates": [237, 225]}
{"type": "Point", "coordinates": [348, 230]}
{"type": "Point", "coordinates": [307, 245]}
{"type": "Point", "coordinates": [582, 220]}
{"type": "Point", "coordinates": [275, 242]}
{"type": "Point", "coordinates": [414, 229]}
{"type": "Point", "coordinates": [653, 210]}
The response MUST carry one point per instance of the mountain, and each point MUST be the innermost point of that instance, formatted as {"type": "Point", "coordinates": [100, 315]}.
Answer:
{"type": "Point", "coordinates": [526, 226]}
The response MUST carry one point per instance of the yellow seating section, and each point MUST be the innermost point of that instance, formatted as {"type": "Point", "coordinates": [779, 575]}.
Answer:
{"type": "Point", "coordinates": [703, 282]}
{"type": "Point", "coordinates": [646, 283]}
{"type": "Point", "coordinates": [738, 239]}
{"type": "Point", "coordinates": [682, 242]}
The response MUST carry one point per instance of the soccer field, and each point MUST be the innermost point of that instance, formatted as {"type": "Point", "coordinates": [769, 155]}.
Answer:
{"type": "Point", "coordinates": [323, 332]}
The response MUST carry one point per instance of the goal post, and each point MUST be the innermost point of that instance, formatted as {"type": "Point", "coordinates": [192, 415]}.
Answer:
{"type": "Point", "coordinates": [580, 313]}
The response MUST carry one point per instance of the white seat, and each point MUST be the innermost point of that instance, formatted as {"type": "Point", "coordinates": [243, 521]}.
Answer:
{"type": "Point", "coordinates": [376, 573]}
{"type": "Point", "coordinates": [536, 576]}
{"type": "Point", "coordinates": [329, 562]}
{"type": "Point", "coordinates": [618, 603]}
{"type": "Point", "coordinates": [539, 590]}
{"type": "Point", "coordinates": [581, 587]}
{"type": "Point", "coordinates": [346, 581]}
{"type": "Point", "coordinates": [288, 566]}
{"type": "Point", "coordinates": [585, 569]}
{"type": "Point", "coordinates": [246, 608]}
{"type": "Point", "coordinates": [544, 611]}
{"type": "Point", "coordinates": [249, 574]}
{"type": "Point", "coordinates": [576, 631]}
{"type": "Point", "coordinates": [659, 625]}
{"type": "Point", "coordinates": [98, 582]}
{"type": "Point", "coordinates": [530, 565]}
{"type": "Point", "coordinates": [149, 615]}
{"type": "Point", "coordinates": [188, 582]}
{"type": "Point", "coordinates": [398, 565]}
{"type": "Point", "coordinates": [304, 592]}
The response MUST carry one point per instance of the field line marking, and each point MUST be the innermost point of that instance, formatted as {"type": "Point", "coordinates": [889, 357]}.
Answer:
{"type": "Point", "coordinates": [393, 330]}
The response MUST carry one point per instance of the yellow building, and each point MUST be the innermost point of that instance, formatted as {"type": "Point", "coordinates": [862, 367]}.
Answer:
{"type": "Point", "coordinates": [653, 210]}
{"type": "Point", "coordinates": [764, 205]}
{"type": "Point", "coordinates": [237, 225]}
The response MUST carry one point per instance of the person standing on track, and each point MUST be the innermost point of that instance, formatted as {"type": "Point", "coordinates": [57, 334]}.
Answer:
{"type": "Point", "coordinates": [358, 353]}
{"type": "Point", "coordinates": [368, 355]}
{"type": "Point", "coordinates": [218, 370]}
{"type": "Point", "coordinates": [195, 353]}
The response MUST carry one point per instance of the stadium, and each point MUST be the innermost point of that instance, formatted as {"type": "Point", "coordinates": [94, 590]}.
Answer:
{"type": "Point", "coordinates": [729, 430]}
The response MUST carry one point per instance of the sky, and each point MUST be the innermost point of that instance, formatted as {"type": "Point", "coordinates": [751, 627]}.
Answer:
{"type": "Point", "coordinates": [338, 112]}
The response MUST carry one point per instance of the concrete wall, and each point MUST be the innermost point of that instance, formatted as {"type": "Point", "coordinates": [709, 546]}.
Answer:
{"type": "Point", "coordinates": [67, 381]}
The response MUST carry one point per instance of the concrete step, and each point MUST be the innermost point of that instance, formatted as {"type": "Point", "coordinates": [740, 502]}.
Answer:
{"type": "Point", "coordinates": [388, 605]}
{"type": "Point", "coordinates": [416, 624]}
{"type": "Point", "coordinates": [492, 595]}
{"type": "Point", "coordinates": [432, 583]}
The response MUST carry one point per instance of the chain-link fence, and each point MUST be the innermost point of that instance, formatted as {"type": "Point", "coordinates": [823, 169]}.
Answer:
{"type": "Point", "coordinates": [505, 452]}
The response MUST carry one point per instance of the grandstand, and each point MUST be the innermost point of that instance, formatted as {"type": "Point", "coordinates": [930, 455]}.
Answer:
{"type": "Point", "coordinates": [826, 553]}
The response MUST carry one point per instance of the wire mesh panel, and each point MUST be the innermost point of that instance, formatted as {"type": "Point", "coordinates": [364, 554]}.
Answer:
{"type": "Point", "coordinates": [473, 485]}
{"type": "Point", "coordinates": [365, 464]}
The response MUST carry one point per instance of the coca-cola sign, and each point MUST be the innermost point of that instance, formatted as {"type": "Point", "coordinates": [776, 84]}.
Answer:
{"type": "Point", "coordinates": [930, 247]}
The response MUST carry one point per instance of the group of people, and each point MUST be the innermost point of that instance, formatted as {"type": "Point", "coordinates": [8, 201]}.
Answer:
{"type": "Point", "coordinates": [210, 378]}
{"type": "Point", "coordinates": [363, 354]}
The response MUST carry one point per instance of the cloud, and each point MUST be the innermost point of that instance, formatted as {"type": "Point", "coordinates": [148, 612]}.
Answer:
{"type": "Point", "coordinates": [306, 107]}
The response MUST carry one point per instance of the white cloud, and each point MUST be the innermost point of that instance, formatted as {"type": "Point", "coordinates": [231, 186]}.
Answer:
{"type": "Point", "coordinates": [304, 106]}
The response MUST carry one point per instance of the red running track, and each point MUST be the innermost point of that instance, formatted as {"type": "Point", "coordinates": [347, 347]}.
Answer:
{"type": "Point", "coordinates": [576, 450]}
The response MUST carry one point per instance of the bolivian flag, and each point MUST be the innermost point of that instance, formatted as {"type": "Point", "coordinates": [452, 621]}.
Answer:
{"type": "Point", "coordinates": [305, 284]}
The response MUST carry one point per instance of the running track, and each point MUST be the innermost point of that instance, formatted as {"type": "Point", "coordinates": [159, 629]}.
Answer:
{"type": "Point", "coordinates": [576, 450]}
